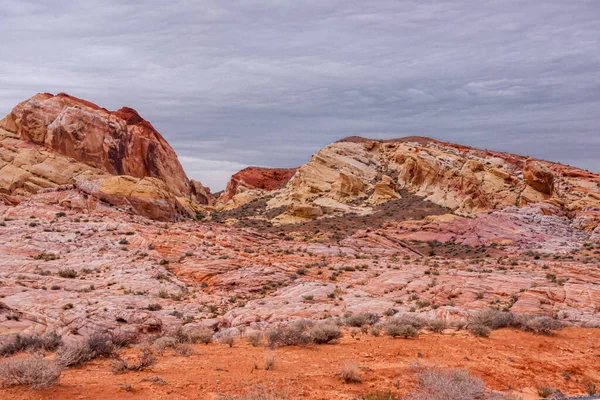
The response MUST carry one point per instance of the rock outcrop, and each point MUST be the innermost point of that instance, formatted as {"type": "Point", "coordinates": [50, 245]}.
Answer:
{"type": "Point", "coordinates": [538, 177]}
{"type": "Point", "coordinates": [251, 183]}
{"type": "Point", "coordinates": [48, 141]}
{"type": "Point", "coordinates": [356, 174]}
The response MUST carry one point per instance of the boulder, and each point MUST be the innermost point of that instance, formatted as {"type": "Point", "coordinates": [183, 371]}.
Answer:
{"type": "Point", "coordinates": [538, 177]}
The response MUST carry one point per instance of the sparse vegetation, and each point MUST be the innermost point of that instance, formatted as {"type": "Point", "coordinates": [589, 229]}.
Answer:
{"type": "Point", "coordinates": [350, 374]}
{"type": "Point", "coordinates": [46, 342]}
{"type": "Point", "coordinates": [325, 332]}
{"type": "Point", "coordinates": [144, 361]}
{"type": "Point", "coordinates": [293, 334]}
{"type": "Point", "coordinates": [35, 372]}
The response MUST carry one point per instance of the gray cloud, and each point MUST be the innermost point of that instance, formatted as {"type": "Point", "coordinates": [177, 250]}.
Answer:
{"type": "Point", "coordinates": [270, 82]}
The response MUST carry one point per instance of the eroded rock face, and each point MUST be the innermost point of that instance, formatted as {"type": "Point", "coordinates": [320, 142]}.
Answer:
{"type": "Point", "coordinates": [355, 174]}
{"type": "Point", "coordinates": [48, 141]}
{"type": "Point", "coordinates": [538, 177]}
{"type": "Point", "coordinates": [252, 182]}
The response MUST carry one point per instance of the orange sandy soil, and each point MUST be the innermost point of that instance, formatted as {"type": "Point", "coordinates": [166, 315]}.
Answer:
{"type": "Point", "coordinates": [508, 359]}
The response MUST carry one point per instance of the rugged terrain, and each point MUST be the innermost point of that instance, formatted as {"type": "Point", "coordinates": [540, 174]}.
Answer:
{"type": "Point", "coordinates": [102, 231]}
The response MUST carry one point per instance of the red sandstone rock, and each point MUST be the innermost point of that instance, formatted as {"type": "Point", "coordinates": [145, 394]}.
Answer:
{"type": "Point", "coordinates": [538, 177]}
{"type": "Point", "coordinates": [264, 179]}
{"type": "Point", "coordinates": [119, 142]}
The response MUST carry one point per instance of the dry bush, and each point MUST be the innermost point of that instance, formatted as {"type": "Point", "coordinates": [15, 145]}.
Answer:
{"type": "Point", "coordinates": [263, 392]}
{"type": "Point", "coordinates": [255, 338]}
{"type": "Point", "coordinates": [325, 332]}
{"type": "Point", "coordinates": [493, 319]}
{"type": "Point", "coordinates": [545, 392]}
{"type": "Point", "coordinates": [95, 346]}
{"type": "Point", "coordinates": [155, 379]}
{"type": "Point", "coordinates": [74, 354]}
{"type": "Point", "coordinates": [480, 330]}
{"type": "Point", "coordinates": [270, 362]}
{"type": "Point", "coordinates": [409, 319]}
{"type": "Point", "coordinates": [395, 329]}
{"type": "Point", "coordinates": [145, 360]}
{"type": "Point", "coordinates": [541, 325]}
{"type": "Point", "coordinates": [46, 342]}
{"type": "Point", "coordinates": [350, 374]}
{"type": "Point", "coordinates": [199, 335]}
{"type": "Point", "coordinates": [183, 350]}
{"type": "Point", "coordinates": [456, 384]}
{"type": "Point", "coordinates": [227, 339]}
{"type": "Point", "coordinates": [121, 339]}
{"type": "Point", "coordinates": [359, 319]}
{"type": "Point", "coordinates": [436, 325]}
{"type": "Point", "coordinates": [164, 342]}
{"type": "Point", "coordinates": [101, 345]}
{"type": "Point", "coordinates": [387, 395]}
{"type": "Point", "coordinates": [294, 334]}
{"type": "Point", "coordinates": [35, 372]}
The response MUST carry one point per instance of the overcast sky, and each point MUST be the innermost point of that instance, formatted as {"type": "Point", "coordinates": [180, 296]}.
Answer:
{"type": "Point", "coordinates": [237, 83]}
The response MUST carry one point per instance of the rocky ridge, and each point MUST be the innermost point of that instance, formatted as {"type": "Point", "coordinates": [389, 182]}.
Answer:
{"type": "Point", "coordinates": [355, 175]}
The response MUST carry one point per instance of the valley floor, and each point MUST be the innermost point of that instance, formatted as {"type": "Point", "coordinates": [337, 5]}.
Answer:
{"type": "Point", "coordinates": [508, 360]}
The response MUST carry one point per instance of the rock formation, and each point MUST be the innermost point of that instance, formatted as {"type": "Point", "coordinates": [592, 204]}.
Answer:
{"type": "Point", "coordinates": [252, 182]}
{"type": "Point", "coordinates": [48, 141]}
{"type": "Point", "coordinates": [356, 174]}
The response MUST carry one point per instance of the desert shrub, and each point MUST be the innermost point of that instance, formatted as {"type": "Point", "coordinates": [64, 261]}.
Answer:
{"type": "Point", "coordinates": [95, 346]}
{"type": "Point", "coordinates": [456, 384]}
{"type": "Point", "coordinates": [164, 342]}
{"type": "Point", "coordinates": [541, 325]}
{"type": "Point", "coordinates": [494, 319]}
{"type": "Point", "coordinates": [359, 319]}
{"type": "Point", "coordinates": [350, 374]}
{"type": "Point", "coordinates": [325, 332]}
{"type": "Point", "coordinates": [263, 392]}
{"type": "Point", "coordinates": [46, 342]}
{"type": "Point", "coordinates": [101, 345]}
{"type": "Point", "coordinates": [380, 395]}
{"type": "Point", "coordinates": [255, 338]}
{"type": "Point", "coordinates": [227, 339]}
{"type": "Point", "coordinates": [395, 329]}
{"type": "Point", "coordinates": [74, 354]}
{"type": "Point", "coordinates": [154, 307]}
{"type": "Point", "coordinates": [545, 392]}
{"type": "Point", "coordinates": [123, 338]}
{"type": "Point", "coordinates": [198, 335]}
{"type": "Point", "coordinates": [270, 362]}
{"type": "Point", "coordinates": [294, 334]}
{"type": "Point", "coordinates": [409, 319]}
{"type": "Point", "coordinates": [67, 273]}
{"type": "Point", "coordinates": [35, 372]}
{"type": "Point", "coordinates": [590, 388]}
{"type": "Point", "coordinates": [144, 361]}
{"type": "Point", "coordinates": [155, 379]}
{"type": "Point", "coordinates": [479, 330]}
{"type": "Point", "coordinates": [183, 349]}
{"type": "Point", "coordinates": [436, 325]}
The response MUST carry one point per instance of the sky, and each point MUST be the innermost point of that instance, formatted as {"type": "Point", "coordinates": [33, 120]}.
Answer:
{"type": "Point", "coordinates": [237, 83]}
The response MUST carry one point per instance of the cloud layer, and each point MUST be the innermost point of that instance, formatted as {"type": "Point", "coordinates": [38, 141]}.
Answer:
{"type": "Point", "coordinates": [269, 82]}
